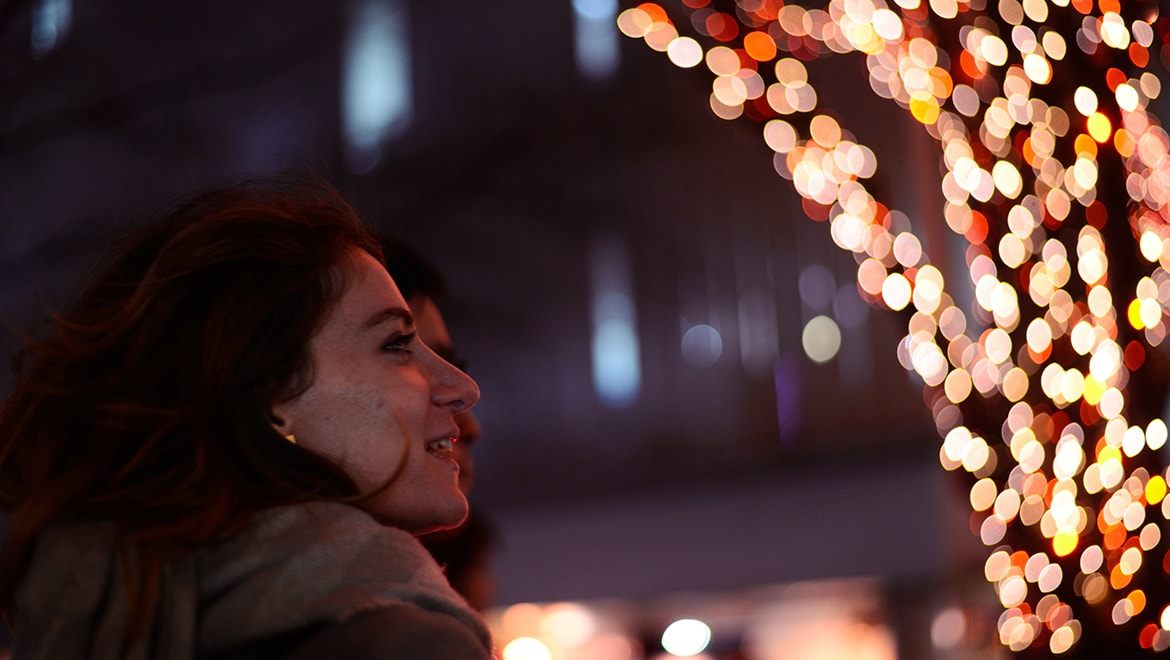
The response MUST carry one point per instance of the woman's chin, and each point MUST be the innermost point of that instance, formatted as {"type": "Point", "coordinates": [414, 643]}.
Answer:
{"type": "Point", "coordinates": [451, 523]}
{"type": "Point", "coordinates": [432, 519]}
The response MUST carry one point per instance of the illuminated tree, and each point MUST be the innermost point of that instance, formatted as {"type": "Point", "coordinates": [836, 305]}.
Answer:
{"type": "Point", "coordinates": [1047, 383]}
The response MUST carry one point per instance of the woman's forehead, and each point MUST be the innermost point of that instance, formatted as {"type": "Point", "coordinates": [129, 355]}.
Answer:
{"type": "Point", "coordinates": [370, 297]}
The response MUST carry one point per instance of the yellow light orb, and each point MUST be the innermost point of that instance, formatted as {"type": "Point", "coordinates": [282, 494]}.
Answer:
{"type": "Point", "coordinates": [1099, 127]}
{"type": "Point", "coordinates": [1133, 313]}
{"type": "Point", "coordinates": [924, 107]}
{"type": "Point", "coordinates": [1155, 489]}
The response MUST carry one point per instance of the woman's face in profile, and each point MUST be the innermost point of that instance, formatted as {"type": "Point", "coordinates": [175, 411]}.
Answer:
{"type": "Point", "coordinates": [380, 401]}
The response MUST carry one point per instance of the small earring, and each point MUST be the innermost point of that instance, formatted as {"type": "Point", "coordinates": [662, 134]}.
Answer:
{"type": "Point", "coordinates": [291, 438]}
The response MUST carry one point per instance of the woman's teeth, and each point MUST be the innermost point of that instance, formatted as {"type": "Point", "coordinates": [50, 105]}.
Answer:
{"type": "Point", "coordinates": [440, 446]}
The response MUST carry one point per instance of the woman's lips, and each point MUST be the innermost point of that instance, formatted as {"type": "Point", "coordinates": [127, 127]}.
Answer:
{"type": "Point", "coordinates": [443, 448]}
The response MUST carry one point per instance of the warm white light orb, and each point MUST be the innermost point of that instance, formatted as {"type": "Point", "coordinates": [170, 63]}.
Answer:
{"type": "Point", "coordinates": [686, 637]}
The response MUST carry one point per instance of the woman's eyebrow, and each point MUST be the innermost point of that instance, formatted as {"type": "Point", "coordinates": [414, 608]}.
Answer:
{"type": "Point", "coordinates": [389, 314]}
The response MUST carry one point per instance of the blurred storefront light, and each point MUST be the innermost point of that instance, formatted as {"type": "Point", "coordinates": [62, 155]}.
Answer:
{"type": "Point", "coordinates": [595, 37]}
{"type": "Point", "coordinates": [617, 368]}
{"type": "Point", "coordinates": [376, 92]}
{"type": "Point", "coordinates": [51, 20]}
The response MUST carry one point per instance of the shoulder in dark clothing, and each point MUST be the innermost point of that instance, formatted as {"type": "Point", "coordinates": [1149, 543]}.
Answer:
{"type": "Point", "coordinates": [402, 632]}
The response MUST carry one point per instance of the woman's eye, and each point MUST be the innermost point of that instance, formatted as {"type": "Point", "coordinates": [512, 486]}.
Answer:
{"type": "Point", "coordinates": [399, 343]}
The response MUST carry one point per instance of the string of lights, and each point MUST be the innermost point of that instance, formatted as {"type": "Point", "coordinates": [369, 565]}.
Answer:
{"type": "Point", "coordinates": [1047, 382]}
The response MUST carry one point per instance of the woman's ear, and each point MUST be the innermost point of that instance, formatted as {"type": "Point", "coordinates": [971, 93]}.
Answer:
{"type": "Point", "coordinates": [278, 415]}
{"type": "Point", "coordinates": [282, 427]}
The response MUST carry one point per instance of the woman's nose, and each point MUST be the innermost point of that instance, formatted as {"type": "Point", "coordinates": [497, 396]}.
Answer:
{"type": "Point", "coordinates": [453, 387]}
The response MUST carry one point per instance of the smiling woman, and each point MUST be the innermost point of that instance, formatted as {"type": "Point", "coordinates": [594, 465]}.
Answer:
{"type": "Point", "coordinates": [158, 507]}
{"type": "Point", "coordinates": [382, 402]}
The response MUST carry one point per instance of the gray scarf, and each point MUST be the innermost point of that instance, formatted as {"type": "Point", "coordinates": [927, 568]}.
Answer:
{"type": "Point", "coordinates": [294, 567]}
